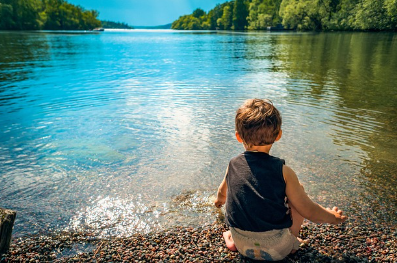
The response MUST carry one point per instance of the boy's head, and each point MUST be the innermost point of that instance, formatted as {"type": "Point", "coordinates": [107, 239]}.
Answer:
{"type": "Point", "coordinates": [258, 122]}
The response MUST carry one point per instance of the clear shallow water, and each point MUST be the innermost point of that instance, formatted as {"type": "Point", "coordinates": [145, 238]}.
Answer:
{"type": "Point", "coordinates": [124, 132]}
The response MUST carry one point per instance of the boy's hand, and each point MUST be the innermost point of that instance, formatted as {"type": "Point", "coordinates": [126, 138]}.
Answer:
{"type": "Point", "coordinates": [222, 192]}
{"type": "Point", "coordinates": [220, 201]}
{"type": "Point", "coordinates": [339, 217]}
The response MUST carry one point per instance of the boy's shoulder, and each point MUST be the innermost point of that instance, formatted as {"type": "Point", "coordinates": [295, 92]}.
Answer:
{"type": "Point", "coordinates": [277, 159]}
{"type": "Point", "coordinates": [238, 160]}
{"type": "Point", "coordinates": [237, 157]}
{"type": "Point", "coordinates": [256, 155]}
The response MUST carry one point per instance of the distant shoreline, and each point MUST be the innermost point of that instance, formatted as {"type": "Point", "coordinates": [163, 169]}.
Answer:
{"type": "Point", "coordinates": [71, 31]}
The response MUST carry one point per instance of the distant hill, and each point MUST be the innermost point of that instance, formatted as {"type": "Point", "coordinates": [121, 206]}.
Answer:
{"type": "Point", "coordinates": [167, 26]}
{"type": "Point", "coordinates": [118, 25]}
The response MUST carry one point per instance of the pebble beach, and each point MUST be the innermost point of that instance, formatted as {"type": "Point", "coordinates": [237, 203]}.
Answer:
{"type": "Point", "coordinates": [322, 243]}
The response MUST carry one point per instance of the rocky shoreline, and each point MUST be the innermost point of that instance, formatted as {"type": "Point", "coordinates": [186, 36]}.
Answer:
{"type": "Point", "coordinates": [323, 243]}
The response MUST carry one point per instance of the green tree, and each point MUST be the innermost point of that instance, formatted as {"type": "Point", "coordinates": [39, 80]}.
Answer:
{"type": "Point", "coordinates": [240, 13]}
{"type": "Point", "coordinates": [306, 14]}
{"type": "Point", "coordinates": [214, 15]}
{"type": "Point", "coordinates": [90, 19]}
{"type": "Point", "coordinates": [206, 24]}
{"type": "Point", "coordinates": [180, 23]}
{"type": "Point", "coordinates": [20, 14]}
{"type": "Point", "coordinates": [6, 19]}
{"type": "Point", "coordinates": [225, 22]}
{"type": "Point", "coordinates": [194, 23]}
{"type": "Point", "coordinates": [198, 13]}
{"type": "Point", "coordinates": [60, 14]}
{"type": "Point", "coordinates": [220, 17]}
{"type": "Point", "coordinates": [45, 14]}
{"type": "Point", "coordinates": [197, 20]}
{"type": "Point", "coordinates": [343, 17]}
{"type": "Point", "coordinates": [294, 14]}
{"type": "Point", "coordinates": [375, 15]}
{"type": "Point", "coordinates": [69, 17]}
{"type": "Point", "coordinates": [391, 8]}
{"type": "Point", "coordinates": [51, 11]}
{"type": "Point", "coordinates": [263, 13]}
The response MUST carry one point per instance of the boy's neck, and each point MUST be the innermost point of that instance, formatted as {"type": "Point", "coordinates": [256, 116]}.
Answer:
{"type": "Point", "coordinates": [264, 148]}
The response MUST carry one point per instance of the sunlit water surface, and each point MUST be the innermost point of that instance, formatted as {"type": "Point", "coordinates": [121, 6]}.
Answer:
{"type": "Point", "coordinates": [125, 132]}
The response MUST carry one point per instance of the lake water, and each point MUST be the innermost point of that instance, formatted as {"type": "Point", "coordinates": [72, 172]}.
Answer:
{"type": "Point", "coordinates": [131, 131]}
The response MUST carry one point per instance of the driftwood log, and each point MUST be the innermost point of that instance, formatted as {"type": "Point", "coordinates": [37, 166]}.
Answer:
{"type": "Point", "coordinates": [7, 218]}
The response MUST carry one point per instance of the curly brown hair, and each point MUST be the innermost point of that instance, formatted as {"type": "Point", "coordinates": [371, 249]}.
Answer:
{"type": "Point", "coordinates": [258, 122]}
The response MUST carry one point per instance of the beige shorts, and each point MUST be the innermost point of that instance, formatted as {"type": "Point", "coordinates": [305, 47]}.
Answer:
{"type": "Point", "coordinates": [271, 245]}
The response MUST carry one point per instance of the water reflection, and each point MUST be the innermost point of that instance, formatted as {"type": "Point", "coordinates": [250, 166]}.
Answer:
{"type": "Point", "coordinates": [351, 77]}
{"type": "Point", "coordinates": [132, 131]}
{"type": "Point", "coordinates": [108, 216]}
{"type": "Point", "coordinates": [19, 52]}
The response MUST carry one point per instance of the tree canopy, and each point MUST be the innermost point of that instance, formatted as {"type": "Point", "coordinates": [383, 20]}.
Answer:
{"type": "Point", "coordinates": [295, 14]}
{"type": "Point", "coordinates": [45, 14]}
{"type": "Point", "coordinates": [232, 15]}
{"type": "Point", "coordinates": [229, 15]}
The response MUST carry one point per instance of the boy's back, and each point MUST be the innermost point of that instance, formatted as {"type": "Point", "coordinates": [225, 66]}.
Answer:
{"type": "Point", "coordinates": [256, 193]}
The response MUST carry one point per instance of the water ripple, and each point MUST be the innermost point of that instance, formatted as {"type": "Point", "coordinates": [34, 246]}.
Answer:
{"type": "Point", "coordinates": [132, 131]}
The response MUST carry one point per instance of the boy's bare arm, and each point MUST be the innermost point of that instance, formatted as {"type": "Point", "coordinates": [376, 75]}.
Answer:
{"type": "Point", "coordinates": [304, 205]}
{"type": "Point", "coordinates": [221, 195]}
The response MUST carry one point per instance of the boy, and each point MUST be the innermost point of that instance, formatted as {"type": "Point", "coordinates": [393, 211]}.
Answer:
{"type": "Point", "coordinates": [265, 203]}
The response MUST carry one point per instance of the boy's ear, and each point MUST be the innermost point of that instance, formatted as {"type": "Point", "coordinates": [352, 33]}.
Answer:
{"type": "Point", "coordinates": [279, 135]}
{"type": "Point", "coordinates": [239, 138]}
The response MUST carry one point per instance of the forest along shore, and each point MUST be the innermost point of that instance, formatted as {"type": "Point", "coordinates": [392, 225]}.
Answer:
{"type": "Point", "coordinates": [322, 243]}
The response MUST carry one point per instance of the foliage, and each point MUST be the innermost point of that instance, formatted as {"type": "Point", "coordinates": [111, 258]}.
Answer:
{"type": "Point", "coordinates": [240, 13]}
{"type": "Point", "coordinates": [215, 14]}
{"type": "Point", "coordinates": [343, 17]}
{"type": "Point", "coordinates": [19, 14]}
{"type": "Point", "coordinates": [6, 16]}
{"type": "Point", "coordinates": [45, 14]}
{"type": "Point", "coordinates": [198, 13]}
{"type": "Point", "coordinates": [236, 15]}
{"type": "Point", "coordinates": [339, 14]}
{"type": "Point", "coordinates": [375, 15]}
{"type": "Point", "coordinates": [305, 14]}
{"type": "Point", "coordinates": [188, 22]}
{"type": "Point", "coordinates": [295, 14]}
{"type": "Point", "coordinates": [225, 22]}
{"type": "Point", "coordinates": [263, 13]}
{"type": "Point", "coordinates": [229, 15]}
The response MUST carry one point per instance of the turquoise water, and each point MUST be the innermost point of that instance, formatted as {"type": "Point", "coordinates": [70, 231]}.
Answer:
{"type": "Point", "coordinates": [131, 131]}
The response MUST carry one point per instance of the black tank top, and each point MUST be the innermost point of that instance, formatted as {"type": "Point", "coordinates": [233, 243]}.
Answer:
{"type": "Point", "coordinates": [256, 199]}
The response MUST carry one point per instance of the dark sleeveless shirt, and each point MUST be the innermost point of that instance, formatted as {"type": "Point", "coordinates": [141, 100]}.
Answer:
{"type": "Point", "coordinates": [256, 193]}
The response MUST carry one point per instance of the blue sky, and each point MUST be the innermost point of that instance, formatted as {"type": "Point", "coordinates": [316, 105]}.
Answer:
{"type": "Point", "coordinates": [145, 12]}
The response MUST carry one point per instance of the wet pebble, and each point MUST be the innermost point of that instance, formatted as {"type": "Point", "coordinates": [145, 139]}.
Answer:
{"type": "Point", "coordinates": [322, 243]}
